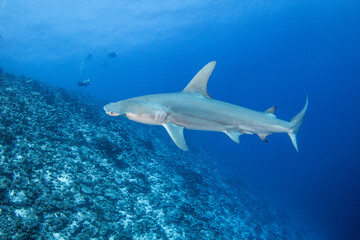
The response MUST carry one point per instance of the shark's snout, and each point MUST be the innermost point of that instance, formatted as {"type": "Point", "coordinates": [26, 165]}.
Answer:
{"type": "Point", "coordinates": [109, 110]}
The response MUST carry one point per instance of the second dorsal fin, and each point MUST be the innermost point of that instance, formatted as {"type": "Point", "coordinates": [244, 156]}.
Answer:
{"type": "Point", "coordinates": [271, 110]}
{"type": "Point", "coordinates": [199, 83]}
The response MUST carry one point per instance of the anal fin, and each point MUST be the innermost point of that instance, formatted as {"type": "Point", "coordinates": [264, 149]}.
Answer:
{"type": "Point", "coordinates": [176, 133]}
{"type": "Point", "coordinates": [263, 136]}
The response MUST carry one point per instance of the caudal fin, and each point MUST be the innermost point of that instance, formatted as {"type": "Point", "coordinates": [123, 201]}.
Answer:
{"type": "Point", "coordinates": [296, 123]}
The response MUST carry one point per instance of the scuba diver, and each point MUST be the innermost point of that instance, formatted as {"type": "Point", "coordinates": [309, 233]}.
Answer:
{"type": "Point", "coordinates": [84, 83]}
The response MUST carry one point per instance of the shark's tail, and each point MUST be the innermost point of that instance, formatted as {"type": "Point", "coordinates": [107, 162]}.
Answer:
{"type": "Point", "coordinates": [296, 123]}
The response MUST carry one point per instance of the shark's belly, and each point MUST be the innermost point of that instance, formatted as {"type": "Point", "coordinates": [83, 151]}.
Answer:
{"type": "Point", "coordinates": [198, 123]}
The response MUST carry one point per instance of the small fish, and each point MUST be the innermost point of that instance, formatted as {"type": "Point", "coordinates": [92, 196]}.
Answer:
{"type": "Point", "coordinates": [112, 55]}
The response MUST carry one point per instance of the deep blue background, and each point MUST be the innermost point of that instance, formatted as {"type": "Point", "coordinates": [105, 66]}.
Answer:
{"type": "Point", "coordinates": [269, 55]}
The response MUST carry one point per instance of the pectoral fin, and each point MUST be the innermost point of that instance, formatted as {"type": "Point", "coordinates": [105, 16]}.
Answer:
{"type": "Point", "coordinates": [176, 132]}
{"type": "Point", "coordinates": [234, 136]}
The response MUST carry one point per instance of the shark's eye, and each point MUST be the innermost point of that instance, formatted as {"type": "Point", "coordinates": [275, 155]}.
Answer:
{"type": "Point", "coordinates": [113, 113]}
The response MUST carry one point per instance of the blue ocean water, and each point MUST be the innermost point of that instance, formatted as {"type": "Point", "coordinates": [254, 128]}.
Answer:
{"type": "Point", "coordinates": [267, 52]}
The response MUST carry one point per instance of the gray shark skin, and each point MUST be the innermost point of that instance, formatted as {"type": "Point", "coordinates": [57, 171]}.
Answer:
{"type": "Point", "coordinates": [193, 108]}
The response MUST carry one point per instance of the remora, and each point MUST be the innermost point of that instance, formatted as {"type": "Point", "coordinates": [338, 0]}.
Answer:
{"type": "Point", "coordinates": [193, 108]}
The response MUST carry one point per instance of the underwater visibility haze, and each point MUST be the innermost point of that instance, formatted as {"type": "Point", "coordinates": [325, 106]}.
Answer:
{"type": "Point", "coordinates": [68, 170]}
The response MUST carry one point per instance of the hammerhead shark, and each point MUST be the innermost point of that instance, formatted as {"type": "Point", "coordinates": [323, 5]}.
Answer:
{"type": "Point", "coordinates": [193, 108]}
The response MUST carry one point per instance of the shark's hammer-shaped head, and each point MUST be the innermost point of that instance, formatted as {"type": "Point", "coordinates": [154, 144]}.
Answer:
{"type": "Point", "coordinates": [138, 109]}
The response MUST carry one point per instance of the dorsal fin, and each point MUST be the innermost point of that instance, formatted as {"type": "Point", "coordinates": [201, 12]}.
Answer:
{"type": "Point", "coordinates": [199, 83]}
{"type": "Point", "coordinates": [271, 110]}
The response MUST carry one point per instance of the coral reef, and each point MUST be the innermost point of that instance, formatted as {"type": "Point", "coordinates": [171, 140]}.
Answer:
{"type": "Point", "coordinates": [69, 171]}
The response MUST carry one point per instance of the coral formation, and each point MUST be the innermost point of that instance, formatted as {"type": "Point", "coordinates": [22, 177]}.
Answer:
{"type": "Point", "coordinates": [69, 171]}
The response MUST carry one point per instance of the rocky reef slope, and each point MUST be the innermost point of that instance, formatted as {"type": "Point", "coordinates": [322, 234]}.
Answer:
{"type": "Point", "coordinates": [69, 171]}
